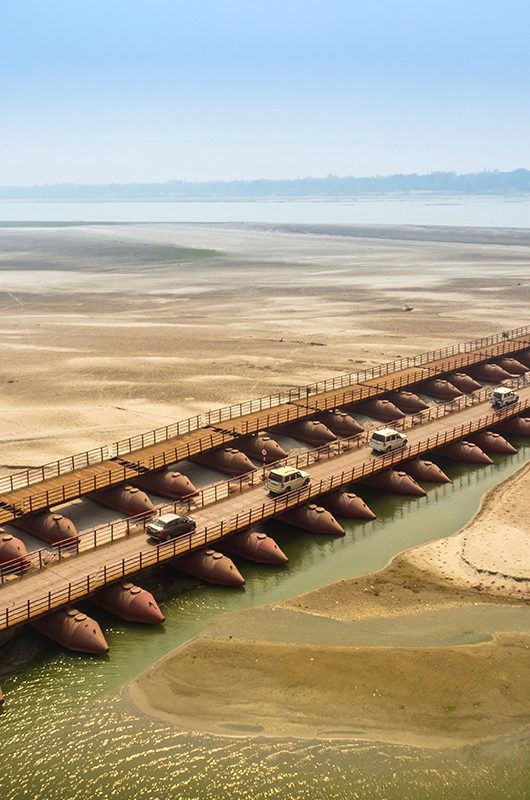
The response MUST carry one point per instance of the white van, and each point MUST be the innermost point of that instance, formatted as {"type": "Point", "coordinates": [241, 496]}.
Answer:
{"type": "Point", "coordinates": [387, 439]}
{"type": "Point", "coordinates": [502, 396]}
{"type": "Point", "coordinates": [286, 479]}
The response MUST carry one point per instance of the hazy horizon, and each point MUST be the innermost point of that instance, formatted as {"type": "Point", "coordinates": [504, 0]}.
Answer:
{"type": "Point", "coordinates": [331, 186]}
{"type": "Point", "coordinates": [122, 92]}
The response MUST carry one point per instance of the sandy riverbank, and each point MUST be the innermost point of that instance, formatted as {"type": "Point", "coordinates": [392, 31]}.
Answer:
{"type": "Point", "coordinates": [314, 666]}
{"type": "Point", "coordinates": [488, 560]}
{"type": "Point", "coordinates": [111, 330]}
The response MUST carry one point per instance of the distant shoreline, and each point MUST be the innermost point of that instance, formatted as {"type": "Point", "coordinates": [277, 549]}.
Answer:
{"type": "Point", "coordinates": [445, 197]}
{"type": "Point", "coordinates": [490, 183]}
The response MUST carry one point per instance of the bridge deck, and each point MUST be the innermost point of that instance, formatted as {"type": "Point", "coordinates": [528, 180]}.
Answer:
{"type": "Point", "coordinates": [74, 578]}
{"type": "Point", "coordinates": [76, 483]}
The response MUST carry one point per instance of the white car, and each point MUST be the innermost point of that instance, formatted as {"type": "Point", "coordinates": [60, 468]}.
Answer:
{"type": "Point", "coordinates": [502, 397]}
{"type": "Point", "coordinates": [387, 439]}
{"type": "Point", "coordinates": [286, 479]}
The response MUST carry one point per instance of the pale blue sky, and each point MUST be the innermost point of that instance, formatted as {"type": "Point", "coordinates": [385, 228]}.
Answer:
{"type": "Point", "coordinates": [143, 90]}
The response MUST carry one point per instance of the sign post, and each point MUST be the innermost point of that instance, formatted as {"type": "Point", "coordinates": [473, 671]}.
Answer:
{"type": "Point", "coordinates": [264, 456]}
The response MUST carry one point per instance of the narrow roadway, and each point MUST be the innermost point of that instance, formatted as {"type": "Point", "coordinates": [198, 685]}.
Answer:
{"type": "Point", "coordinates": [69, 486]}
{"type": "Point", "coordinates": [30, 588]}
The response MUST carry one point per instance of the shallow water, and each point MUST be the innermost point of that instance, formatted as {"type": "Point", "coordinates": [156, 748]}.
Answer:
{"type": "Point", "coordinates": [66, 735]}
{"type": "Point", "coordinates": [442, 628]}
{"type": "Point", "coordinates": [510, 212]}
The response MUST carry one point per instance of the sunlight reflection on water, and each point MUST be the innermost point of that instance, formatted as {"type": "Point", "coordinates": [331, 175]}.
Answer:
{"type": "Point", "coordinates": [66, 736]}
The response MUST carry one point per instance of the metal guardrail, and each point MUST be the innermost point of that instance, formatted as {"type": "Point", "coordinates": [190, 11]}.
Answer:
{"type": "Point", "coordinates": [110, 532]}
{"type": "Point", "coordinates": [76, 590]}
{"type": "Point", "coordinates": [342, 381]}
{"type": "Point", "coordinates": [220, 490]}
{"type": "Point", "coordinates": [18, 480]}
{"type": "Point", "coordinates": [123, 471]}
{"type": "Point", "coordinates": [128, 470]}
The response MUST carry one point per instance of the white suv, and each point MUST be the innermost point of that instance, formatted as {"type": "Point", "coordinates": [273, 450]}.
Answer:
{"type": "Point", "coordinates": [386, 439]}
{"type": "Point", "coordinates": [502, 397]}
{"type": "Point", "coordinates": [286, 479]}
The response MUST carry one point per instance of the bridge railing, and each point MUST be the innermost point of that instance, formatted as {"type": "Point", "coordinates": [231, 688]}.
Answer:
{"type": "Point", "coordinates": [381, 370]}
{"type": "Point", "coordinates": [109, 573]}
{"type": "Point", "coordinates": [21, 479]}
{"type": "Point", "coordinates": [221, 490]}
{"type": "Point", "coordinates": [125, 470]}
{"type": "Point", "coordinates": [308, 457]}
{"type": "Point", "coordinates": [120, 471]}
{"type": "Point", "coordinates": [117, 472]}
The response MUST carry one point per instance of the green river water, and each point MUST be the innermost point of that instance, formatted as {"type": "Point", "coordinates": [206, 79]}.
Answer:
{"type": "Point", "coordinates": [66, 734]}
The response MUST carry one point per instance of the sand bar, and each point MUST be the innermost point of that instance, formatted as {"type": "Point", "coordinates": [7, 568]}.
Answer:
{"type": "Point", "coordinates": [294, 678]}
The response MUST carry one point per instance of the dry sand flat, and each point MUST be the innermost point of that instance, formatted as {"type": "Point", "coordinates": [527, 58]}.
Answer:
{"type": "Point", "coordinates": [111, 330]}
{"type": "Point", "coordinates": [492, 553]}
{"type": "Point", "coordinates": [297, 672]}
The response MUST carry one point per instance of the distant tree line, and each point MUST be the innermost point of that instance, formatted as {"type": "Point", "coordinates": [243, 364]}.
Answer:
{"type": "Point", "coordinates": [332, 186]}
